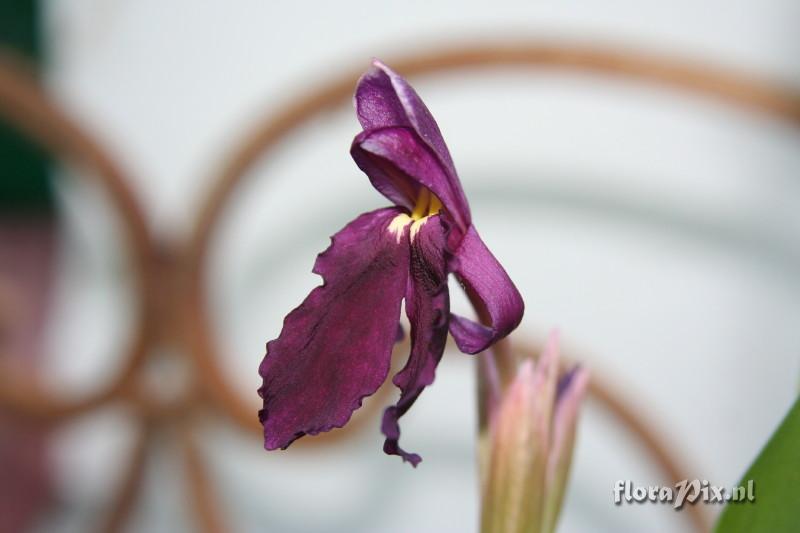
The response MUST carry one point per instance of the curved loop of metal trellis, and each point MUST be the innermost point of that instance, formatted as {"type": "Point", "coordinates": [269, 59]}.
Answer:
{"type": "Point", "coordinates": [24, 104]}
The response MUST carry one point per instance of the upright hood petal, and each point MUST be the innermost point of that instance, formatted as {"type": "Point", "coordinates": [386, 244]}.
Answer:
{"type": "Point", "coordinates": [482, 275]}
{"type": "Point", "coordinates": [335, 348]}
{"type": "Point", "coordinates": [384, 99]}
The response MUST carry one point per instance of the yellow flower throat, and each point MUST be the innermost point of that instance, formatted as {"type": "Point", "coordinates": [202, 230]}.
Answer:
{"type": "Point", "coordinates": [427, 205]}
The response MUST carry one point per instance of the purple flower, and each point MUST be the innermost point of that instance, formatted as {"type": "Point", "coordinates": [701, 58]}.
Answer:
{"type": "Point", "coordinates": [335, 348]}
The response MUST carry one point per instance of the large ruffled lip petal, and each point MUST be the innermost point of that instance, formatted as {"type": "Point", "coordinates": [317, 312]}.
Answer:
{"type": "Point", "coordinates": [487, 281]}
{"type": "Point", "coordinates": [384, 99]}
{"type": "Point", "coordinates": [399, 163]}
{"type": "Point", "coordinates": [335, 348]}
{"type": "Point", "coordinates": [427, 307]}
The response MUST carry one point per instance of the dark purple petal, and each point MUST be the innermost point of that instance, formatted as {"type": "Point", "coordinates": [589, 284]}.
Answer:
{"type": "Point", "coordinates": [398, 163]}
{"type": "Point", "coordinates": [427, 307]}
{"type": "Point", "coordinates": [389, 180]}
{"type": "Point", "coordinates": [483, 276]}
{"type": "Point", "coordinates": [384, 99]}
{"type": "Point", "coordinates": [335, 348]}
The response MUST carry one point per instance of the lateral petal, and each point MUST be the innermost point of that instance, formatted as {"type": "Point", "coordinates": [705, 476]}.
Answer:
{"type": "Point", "coordinates": [335, 348]}
{"type": "Point", "coordinates": [482, 275]}
{"type": "Point", "coordinates": [427, 307]}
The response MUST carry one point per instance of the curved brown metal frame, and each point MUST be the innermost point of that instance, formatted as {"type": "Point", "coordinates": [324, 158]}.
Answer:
{"type": "Point", "coordinates": [25, 105]}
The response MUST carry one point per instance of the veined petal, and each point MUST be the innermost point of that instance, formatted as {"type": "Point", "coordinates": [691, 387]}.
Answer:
{"type": "Point", "coordinates": [399, 163]}
{"type": "Point", "coordinates": [335, 348]}
{"type": "Point", "coordinates": [482, 275]}
{"type": "Point", "coordinates": [384, 99]}
{"type": "Point", "coordinates": [427, 307]}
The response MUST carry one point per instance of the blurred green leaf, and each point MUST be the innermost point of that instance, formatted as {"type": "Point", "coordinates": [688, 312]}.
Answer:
{"type": "Point", "coordinates": [24, 167]}
{"type": "Point", "coordinates": [776, 476]}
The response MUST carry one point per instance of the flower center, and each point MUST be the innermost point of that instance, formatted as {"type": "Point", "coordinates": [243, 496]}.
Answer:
{"type": "Point", "coordinates": [427, 205]}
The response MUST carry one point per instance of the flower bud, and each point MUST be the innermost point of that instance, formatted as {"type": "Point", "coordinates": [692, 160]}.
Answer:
{"type": "Point", "coordinates": [530, 440]}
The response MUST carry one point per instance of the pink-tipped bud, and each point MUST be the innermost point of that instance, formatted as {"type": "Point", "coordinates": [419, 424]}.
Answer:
{"type": "Point", "coordinates": [531, 437]}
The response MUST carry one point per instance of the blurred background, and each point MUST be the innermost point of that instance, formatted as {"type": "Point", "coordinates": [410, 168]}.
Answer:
{"type": "Point", "coordinates": [655, 228]}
